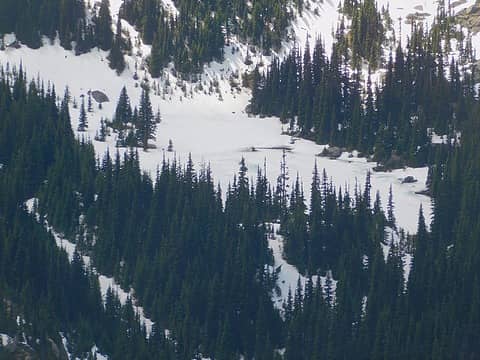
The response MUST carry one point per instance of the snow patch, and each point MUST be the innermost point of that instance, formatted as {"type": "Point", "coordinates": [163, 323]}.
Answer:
{"type": "Point", "coordinates": [393, 237]}
{"type": "Point", "coordinates": [5, 339]}
{"type": "Point", "coordinates": [216, 132]}
{"type": "Point", "coordinates": [288, 275]}
{"type": "Point", "coordinates": [104, 281]}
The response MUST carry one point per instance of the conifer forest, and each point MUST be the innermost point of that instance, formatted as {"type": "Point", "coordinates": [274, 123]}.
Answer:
{"type": "Point", "coordinates": [229, 179]}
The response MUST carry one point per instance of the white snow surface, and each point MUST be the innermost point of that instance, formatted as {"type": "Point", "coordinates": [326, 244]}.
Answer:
{"type": "Point", "coordinates": [105, 282]}
{"type": "Point", "coordinates": [5, 339]}
{"type": "Point", "coordinates": [400, 10]}
{"type": "Point", "coordinates": [216, 132]}
{"type": "Point", "coordinates": [444, 139]}
{"type": "Point", "coordinates": [219, 132]}
{"type": "Point", "coordinates": [288, 275]}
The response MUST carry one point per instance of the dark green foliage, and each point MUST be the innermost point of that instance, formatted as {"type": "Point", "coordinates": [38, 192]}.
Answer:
{"type": "Point", "coordinates": [37, 282]}
{"type": "Point", "coordinates": [116, 58]}
{"type": "Point", "coordinates": [202, 28]}
{"type": "Point", "coordinates": [145, 123]}
{"type": "Point", "coordinates": [366, 37]}
{"type": "Point", "coordinates": [136, 128]}
{"type": "Point", "coordinates": [321, 99]}
{"type": "Point", "coordinates": [103, 26]}
{"type": "Point", "coordinates": [32, 19]}
{"type": "Point", "coordinates": [82, 120]}
{"type": "Point", "coordinates": [123, 111]}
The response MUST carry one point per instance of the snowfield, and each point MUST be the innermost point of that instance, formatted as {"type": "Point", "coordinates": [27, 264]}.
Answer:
{"type": "Point", "coordinates": [214, 127]}
{"type": "Point", "coordinates": [218, 133]}
{"type": "Point", "coordinates": [210, 123]}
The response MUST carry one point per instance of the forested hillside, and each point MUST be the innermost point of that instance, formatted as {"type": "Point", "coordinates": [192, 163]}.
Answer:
{"type": "Point", "coordinates": [198, 33]}
{"type": "Point", "coordinates": [192, 261]}
{"type": "Point", "coordinates": [67, 19]}
{"type": "Point", "coordinates": [260, 267]}
{"type": "Point", "coordinates": [42, 294]}
{"type": "Point", "coordinates": [423, 90]}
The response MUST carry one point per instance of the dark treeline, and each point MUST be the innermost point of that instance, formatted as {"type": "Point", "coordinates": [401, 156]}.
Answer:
{"type": "Point", "coordinates": [436, 316]}
{"type": "Point", "coordinates": [198, 269]}
{"type": "Point", "coordinates": [67, 19]}
{"type": "Point", "coordinates": [422, 90]}
{"type": "Point", "coordinates": [195, 35]}
{"type": "Point", "coordinates": [37, 282]}
{"type": "Point", "coordinates": [367, 35]}
{"type": "Point", "coordinates": [324, 100]}
{"type": "Point", "coordinates": [201, 29]}
{"type": "Point", "coordinates": [198, 266]}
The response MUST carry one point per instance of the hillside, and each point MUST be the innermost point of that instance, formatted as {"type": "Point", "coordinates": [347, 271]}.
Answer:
{"type": "Point", "coordinates": [230, 233]}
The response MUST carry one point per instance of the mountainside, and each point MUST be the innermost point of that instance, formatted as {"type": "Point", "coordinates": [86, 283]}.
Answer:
{"type": "Point", "coordinates": [177, 152]}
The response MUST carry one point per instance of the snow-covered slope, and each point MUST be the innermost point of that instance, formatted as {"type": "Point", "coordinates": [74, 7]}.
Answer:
{"type": "Point", "coordinates": [288, 277]}
{"type": "Point", "coordinates": [215, 132]}
{"type": "Point", "coordinates": [218, 132]}
{"type": "Point", "coordinates": [402, 10]}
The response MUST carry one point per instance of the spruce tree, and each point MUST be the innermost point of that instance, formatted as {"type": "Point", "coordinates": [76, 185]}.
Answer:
{"type": "Point", "coordinates": [103, 26]}
{"type": "Point", "coordinates": [116, 58]}
{"type": "Point", "coordinates": [123, 111]}
{"type": "Point", "coordinates": [391, 209]}
{"type": "Point", "coordinates": [145, 125]}
{"type": "Point", "coordinates": [82, 120]}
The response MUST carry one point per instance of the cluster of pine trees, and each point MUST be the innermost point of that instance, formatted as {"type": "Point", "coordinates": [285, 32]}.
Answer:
{"type": "Point", "coordinates": [41, 292]}
{"type": "Point", "coordinates": [367, 33]}
{"type": "Point", "coordinates": [375, 315]}
{"type": "Point", "coordinates": [134, 127]}
{"type": "Point", "coordinates": [201, 29]}
{"type": "Point", "coordinates": [198, 264]}
{"type": "Point", "coordinates": [67, 19]}
{"type": "Point", "coordinates": [198, 268]}
{"type": "Point", "coordinates": [77, 27]}
{"type": "Point", "coordinates": [324, 100]}
{"type": "Point", "coordinates": [29, 20]}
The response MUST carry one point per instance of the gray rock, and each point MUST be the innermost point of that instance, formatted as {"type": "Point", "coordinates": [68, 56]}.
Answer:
{"type": "Point", "coordinates": [332, 152]}
{"type": "Point", "coordinates": [409, 180]}
{"type": "Point", "coordinates": [99, 96]}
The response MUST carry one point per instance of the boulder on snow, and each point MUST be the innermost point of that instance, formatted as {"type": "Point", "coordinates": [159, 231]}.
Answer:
{"type": "Point", "coordinates": [99, 96]}
{"type": "Point", "coordinates": [409, 180]}
{"type": "Point", "coordinates": [416, 17]}
{"type": "Point", "coordinates": [332, 152]}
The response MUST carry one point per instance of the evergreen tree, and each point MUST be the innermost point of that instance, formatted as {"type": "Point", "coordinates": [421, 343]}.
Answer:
{"type": "Point", "coordinates": [116, 58]}
{"type": "Point", "coordinates": [82, 120]}
{"type": "Point", "coordinates": [123, 111]}
{"type": "Point", "coordinates": [103, 26]}
{"type": "Point", "coordinates": [145, 125]}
